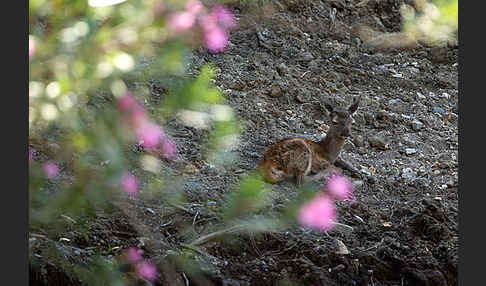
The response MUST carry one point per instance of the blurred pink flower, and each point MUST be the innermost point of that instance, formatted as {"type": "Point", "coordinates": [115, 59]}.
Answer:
{"type": "Point", "coordinates": [159, 8]}
{"type": "Point", "coordinates": [223, 16]}
{"type": "Point", "coordinates": [181, 21]}
{"type": "Point", "coordinates": [146, 270]}
{"type": "Point", "coordinates": [215, 39]}
{"type": "Point", "coordinates": [31, 154]}
{"type": "Point", "coordinates": [133, 254]}
{"type": "Point", "coordinates": [319, 213]}
{"type": "Point", "coordinates": [169, 148]}
{"type": "Point", "coordinates": [129, 104]}
{"type": "Point", "coordinates": [126, 102]}
{"type": "Point", "coordinates": [31, 47]}
{"type": "Point", "coordinates": [339, 187]}
{"type": "Point", "coordinates": [50, 169]}
{"type": "Point", "coordinates": [149, 134]}
{"type": "Point", "coordinates": [129, 183]}
{"type": "Point", "coordinates": [194, 7]}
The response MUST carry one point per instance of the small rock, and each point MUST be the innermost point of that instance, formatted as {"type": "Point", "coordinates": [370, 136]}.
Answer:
{"type": "Point", "coordinates": [276, 91]}
{"type": "Point", "coordinates": [382, 115]}
{"type": "Point", "coordinates": [408, 173]}
{"type": "Point", "coordinates": [365, 171]}
{"type": "Point", "coordinates": [308, 122]}
{"type": "Point", "coordinates": [413, 70]}
{"type": "Point", "coordinates": [282, 69]}
{"type": "Point", "coordinates": [359, 141]}
{"type": "Point", "coordinates": [410, 151]}
{"type": "Point", "coordinates": [341, 248]}
{"type": "Point", "coordinates": [439, 110]}
{"type": "Point", "coordinates": [371, 180]}
{"type": "Point", "coordinates": [190, 169]}
{"type": "Point", "coordinates": [450, 183]}
{"type": "Point", "coordinates": [338, 268]}
{"type": "Point", "coordinates": [362, 150]}
{"type": "Point", "coordinates": [421, 183]}
{"type": "Point", "coordinates": [420, 96]}
{"type": "Point", "coordinates": [301, 98]}
{"type": "Point", "coordinates": [369, 118]}
{"type": "Point", "coordinates": [357, 183]}
{"type": "Point", "coordinates": [417, 125]}
{"type": "Point", "coordinates": [378, 142]}
{"type": "Point", "coordinates": [150, 210]}
{"type": "Point", "coordinates": [307, 57]}
{"type": "Point", "coordinates": [443, 187]}
{"type": "Point", "coordinates": [323, 127]}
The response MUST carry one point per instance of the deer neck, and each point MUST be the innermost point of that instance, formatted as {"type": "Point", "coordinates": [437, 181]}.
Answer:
{"type": "Point", "coordinates": [331, 145]}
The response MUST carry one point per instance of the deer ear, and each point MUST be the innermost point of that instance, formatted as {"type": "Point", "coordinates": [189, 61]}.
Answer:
{"type": "Point", "coordinates": [354, 106]}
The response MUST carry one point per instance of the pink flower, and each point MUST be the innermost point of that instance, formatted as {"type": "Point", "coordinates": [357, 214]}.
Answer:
{"type": "Point", "coordinates": [224, 16]}
{"type": "Point", "coordinates": [133, 254]}
{"type": "Point", "coordinates": [31, 47]}
{"type": "Point", "coordinates": [149, 134]}
{"type": "Point", "coordinates": [169, 148]}
{"type": "Point", "coordinates": [339, 187]}
{"type": "Point", "coordinates": [31, 154]}
{"type": "Point", "coordinates": [127, 103]}
{"type": "Point", "coordinates": [215, 39]}
{"type": "Point", "coordinates": [129, 183]}
{"type": "Point", "coordinates": [50, 169]}
{"type": "Point", "coordinates": [181, 21]}
{"type": "Point", "coordinates": [159, 8]}
{"type": "Point", "coordinates": [194, 7]}
{"type": "Point", "coordinates": [319, 213]}
{"type": "Point", "coordinates": [146, 270]}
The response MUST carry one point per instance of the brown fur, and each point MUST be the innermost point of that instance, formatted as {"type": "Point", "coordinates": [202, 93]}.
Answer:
{"type": "Point", "coordinates": [305, 159]}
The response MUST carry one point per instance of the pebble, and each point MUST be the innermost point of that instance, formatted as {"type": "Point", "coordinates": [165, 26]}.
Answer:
{"type": "Point", "coordinates": [307, 57]}
{"type": "Point", "coordinates": [420, 96]}
{"type": "Point", "coordinates": [408, 173]}
{"type": "Point", "coordinates": [378, 142]}
{"type": "Point", "coordinates": [371, 180]}
{"type": "Point", "coordinates": [341, 248]}
{"type": "Point", "coordinates": [439, 110]}
{"type": "Point", "coordinates": [276, 91]}
{"type": "Point", "coordinates": [359, 141]}
{"type": "Point", "coordinates": [410, 151]}
{"type": "Point", "coordinates": [382, 115]}
{"type": "Point", "coordinates": [417, 125]}
{"type": "Point", "coordinates": [282, 69]}
{"type": "Point", "coordinates": [421, 183]}
{"type": "Point", "coordinates": [308, 122]}
{"type": "Point", "coordinates": [365, 171]}
{"type": "Point", "coordinates": [301, 98]}
{"type": "Point", "coordinates": [338, 268]}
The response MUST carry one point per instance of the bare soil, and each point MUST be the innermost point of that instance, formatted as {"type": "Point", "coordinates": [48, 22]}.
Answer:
{"type": "Point", "coordinates": [283, 63]}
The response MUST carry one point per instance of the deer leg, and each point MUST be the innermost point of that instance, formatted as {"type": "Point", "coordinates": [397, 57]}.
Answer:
{"type": "Point", "coordinates": [299, 179]}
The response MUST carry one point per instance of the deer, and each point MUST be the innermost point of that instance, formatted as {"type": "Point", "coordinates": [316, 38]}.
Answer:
{"type": "Point", "coordinates": [307, 160]}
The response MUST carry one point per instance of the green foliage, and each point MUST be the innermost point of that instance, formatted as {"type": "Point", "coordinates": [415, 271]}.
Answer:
{"type": "Point", "coordinates": [252, 195]}
{"type": "Point", "coordinates": [101, 272]}
{"type": "Point", "coordinates": [436, 23]}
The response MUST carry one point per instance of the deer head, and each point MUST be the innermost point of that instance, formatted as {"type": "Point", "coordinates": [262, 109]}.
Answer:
{"type": "Point", "coordinates": [342, 119]}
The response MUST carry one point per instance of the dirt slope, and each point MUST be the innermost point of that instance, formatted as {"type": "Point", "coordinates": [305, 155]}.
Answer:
{"type": "Point", "coordinates": [283, 62]}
